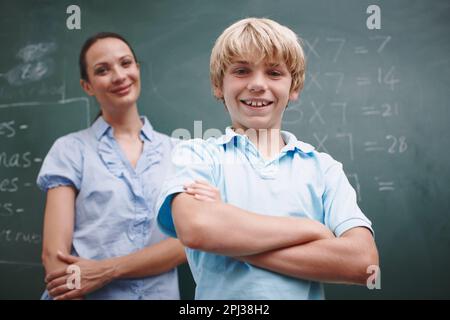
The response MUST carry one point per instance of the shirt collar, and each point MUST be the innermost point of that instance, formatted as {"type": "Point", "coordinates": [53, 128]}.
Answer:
{"type": "Point", "coordinates": [229, 134]}
{"type": "Point", "coordinates": [291, 141]}
{"type": "Point", "coordinates": [147, 129]}
{"type": "Point", "coordinates": [101, 127]}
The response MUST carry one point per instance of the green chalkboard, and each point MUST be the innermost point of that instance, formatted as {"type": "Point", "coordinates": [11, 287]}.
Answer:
{"type": "Point", "coordinates": [376, 100]}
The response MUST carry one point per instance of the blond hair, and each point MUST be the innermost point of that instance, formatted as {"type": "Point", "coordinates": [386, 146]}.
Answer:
{"type": "Point", "coordinates": [258, 39]}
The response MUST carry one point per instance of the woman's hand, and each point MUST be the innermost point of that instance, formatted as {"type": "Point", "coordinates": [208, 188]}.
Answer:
{"type": "Point", "coordinates": [203, 191]}
{"type": "Point", "coordinates": [92, 275]}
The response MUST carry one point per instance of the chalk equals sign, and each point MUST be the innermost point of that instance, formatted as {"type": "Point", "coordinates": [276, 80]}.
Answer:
{"type": "Point", "coordinates": [361, 50]}
{"type": "Point", "coordinates": [23, 127]}
{"type": "Point", "coordinates": [37, 160]}
{"type": "Point", "coordinates": [386, 186]}
{"type": "Point", "coordinates": [372, 146]}
{"type": "Point", "coordinates": [20, 210]}
{"type": "Point", "coordinates": [363, 81]}
{"type": "Point", "coordinates": [370, 111]}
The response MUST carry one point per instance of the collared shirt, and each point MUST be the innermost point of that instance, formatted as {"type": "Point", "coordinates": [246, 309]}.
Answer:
{"type": "Point", "coordinates": [299, 182]}
{"type": "Point", "coordinates": [114, 205]}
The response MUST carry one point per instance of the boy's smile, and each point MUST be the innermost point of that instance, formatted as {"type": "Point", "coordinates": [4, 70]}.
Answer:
{"type": "Point", "coordinates": [256, 103]}
{"type": "Point", "coordinates": [256, 95]}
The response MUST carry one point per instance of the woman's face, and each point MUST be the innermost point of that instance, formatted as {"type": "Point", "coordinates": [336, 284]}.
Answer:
{"type": "Point", "coordinates": [114, 77]}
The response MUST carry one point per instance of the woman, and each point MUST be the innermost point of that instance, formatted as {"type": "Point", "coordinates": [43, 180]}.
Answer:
{"type": "Point", "coordinates": [101, 186]}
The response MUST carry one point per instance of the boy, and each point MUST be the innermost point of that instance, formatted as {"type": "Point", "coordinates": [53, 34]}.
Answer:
{"type": "Point", "coordinates": [289, 218]}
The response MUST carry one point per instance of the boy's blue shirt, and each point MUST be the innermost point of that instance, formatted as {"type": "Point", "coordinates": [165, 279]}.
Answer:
{"type": "Point", "coordinates": [299, 182]}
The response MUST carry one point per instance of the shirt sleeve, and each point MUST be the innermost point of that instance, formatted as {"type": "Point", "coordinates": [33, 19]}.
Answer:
{"type": "Point", "coordinates": [191, 160]}
{"type": "Point", "coordinates": [341, 209]}
{"type": "Point", "coordinates": [62, 165]}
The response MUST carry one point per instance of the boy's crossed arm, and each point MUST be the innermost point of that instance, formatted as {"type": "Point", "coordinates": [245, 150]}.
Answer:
{"type": "Point", "coordinates": [297, 247]}
{"type": "Point", "coordinates": [217, 227]}
{"type": "Point", "coordinates": [343, 259]}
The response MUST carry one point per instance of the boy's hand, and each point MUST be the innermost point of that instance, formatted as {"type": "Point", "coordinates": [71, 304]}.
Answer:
{"type": "Point", "coordinates": [203, 191]}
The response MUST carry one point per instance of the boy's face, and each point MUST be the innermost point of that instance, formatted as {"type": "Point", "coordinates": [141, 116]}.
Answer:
{"type": "Point", "coordinates": [256, 95]}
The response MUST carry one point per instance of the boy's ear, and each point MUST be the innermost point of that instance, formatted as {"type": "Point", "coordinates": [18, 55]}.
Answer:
{"type": "Point", "coordinates": [294, 95]}
{"type": "Point", "coordinates": [218, 92]}
{"type": "Point", "coordinates": [86, 87]}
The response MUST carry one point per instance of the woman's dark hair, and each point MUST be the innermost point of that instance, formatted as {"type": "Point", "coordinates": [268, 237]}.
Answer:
{"type": "Point", "coordinates": [88, 43]}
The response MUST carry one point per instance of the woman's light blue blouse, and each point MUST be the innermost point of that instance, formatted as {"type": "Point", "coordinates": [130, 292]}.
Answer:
{"type": "Point", "coordinates": [114, 213]}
